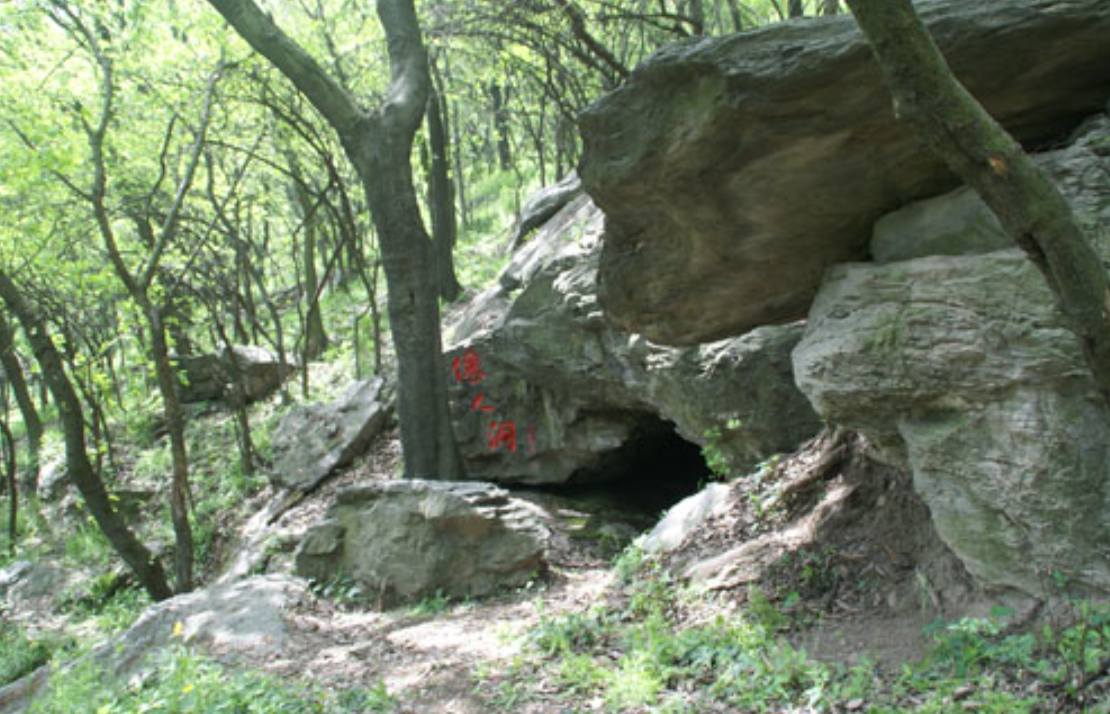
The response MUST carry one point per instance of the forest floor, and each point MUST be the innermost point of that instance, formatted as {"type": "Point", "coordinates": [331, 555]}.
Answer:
{"type": "Point", "coordinates": [821, 588]}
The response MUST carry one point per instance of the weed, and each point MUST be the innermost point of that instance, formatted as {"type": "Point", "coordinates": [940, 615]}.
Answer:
{"type": "Point", "coordinates": [431, 605]}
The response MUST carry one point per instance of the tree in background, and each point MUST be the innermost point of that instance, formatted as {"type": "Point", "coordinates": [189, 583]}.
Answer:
{"type": "Point", "coordinates": [987, 158]}
{"type": "Point", "coordinates": [379, 144]}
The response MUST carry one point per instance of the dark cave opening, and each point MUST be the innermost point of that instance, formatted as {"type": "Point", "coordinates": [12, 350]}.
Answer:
{"type": "Point", "coordinates": [653, 470]}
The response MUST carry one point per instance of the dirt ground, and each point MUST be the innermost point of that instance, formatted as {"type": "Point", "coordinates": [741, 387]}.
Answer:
{"type": "Point", "coordinates": [843, 545]}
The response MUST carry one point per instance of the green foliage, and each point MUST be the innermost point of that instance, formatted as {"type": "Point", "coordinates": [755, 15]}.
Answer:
{"type": "Point", "coordinates": [431, 605]}
{"type": "Point", "coordinates": [714, 451]}
{"type": "Point", "coordinates": [341, 588]}
{"type": "Point", "coordinates": [185, 682]}
{"type": "Point", "coordinates": [21, 654]}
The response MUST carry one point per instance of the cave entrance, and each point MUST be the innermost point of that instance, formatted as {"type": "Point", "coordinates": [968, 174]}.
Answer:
{"type": "Point", "coordinates": [653, 470]}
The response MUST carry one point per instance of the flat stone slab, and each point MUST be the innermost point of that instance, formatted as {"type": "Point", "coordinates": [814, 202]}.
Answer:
{"type": "Point", "coordinates": [313, 441]}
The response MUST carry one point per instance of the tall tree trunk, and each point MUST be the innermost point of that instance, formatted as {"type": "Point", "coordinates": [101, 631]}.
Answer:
{"type": "Point", "coordinates": [31, 421]}
{"type": "Point", "coordinates": [830, 7]}
{"type": "Point", "coordinates": [148, 571]}
{"type": "Point", "coordinates": [796, 8]}
{"type": "Point", "coordinates": [379, 144]}
{"type": "Point", "coordinates": [442, 199]}
{"type": "Point", "coordinates": [978, 149]}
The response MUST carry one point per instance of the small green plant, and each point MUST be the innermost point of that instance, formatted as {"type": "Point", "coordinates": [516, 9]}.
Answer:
{"type": "Point", "coordinates": [341, 588]}
{"type": "Point", "coordinates": [718, 461]}
{"type": "Point", "coordinates": [434, 604]}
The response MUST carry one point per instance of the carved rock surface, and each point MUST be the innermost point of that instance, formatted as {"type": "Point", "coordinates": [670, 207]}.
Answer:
{"type": "Point", "coordinates": [536, 353]}
{"type": "Point", "coordinates": [409, 539]}
{"type": "Point", "coordinates": [314, 440]}
{"type": "Point", "coordinates": [734, 170]}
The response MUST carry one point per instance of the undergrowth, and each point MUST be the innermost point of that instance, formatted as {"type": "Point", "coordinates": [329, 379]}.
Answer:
{"type": "Point", "coordinates": [185, 682]}
{"type": "Point", "coordinates": [643, 650]}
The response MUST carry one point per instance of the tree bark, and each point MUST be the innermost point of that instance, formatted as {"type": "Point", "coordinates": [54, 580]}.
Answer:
{"type": "Point", "coordinates": [795, 8]}
{"type": "Point", "coordinates": [986, 157]}
{"type": "Point", "coordinates": [830, 7]}
{"type": "Point", "coordinates": [442, 199]}
{"type": "Point", "coordinates": [142, 562]}
{"type": "Point", "coordinates": [7, 445]}
{"type": "Point", "coordinates": [32, 423]}
{"type": "Point", "coordinates": [379, 144]}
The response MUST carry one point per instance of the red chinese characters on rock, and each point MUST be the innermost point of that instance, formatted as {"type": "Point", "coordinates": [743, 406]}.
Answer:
{"type": "Point", "coordinates": [502, 435]}
{"type": "Point", "coordinates": [467, 369]}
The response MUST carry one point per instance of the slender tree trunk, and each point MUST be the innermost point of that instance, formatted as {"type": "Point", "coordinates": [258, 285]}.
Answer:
{"type": "Point", "coordinates": [238, 397]}
{"type": "Point", "coordinates": [796, 8]}
{"type": "Point", "coordinates": [10, 468]}
{"type": "Point", "coordinates": [31, 421]}
{"type": "Point", "coordinates": [830, 7]}
{"type": "Point", "coordinates": [315, 338]}
{"type": "Point", "coordinates": [498, 100]}
{"type": "Point", "coordinates": [142, 562]}
{"type": "Point", "coordinates": [442, 202]}
{"type": "Point", "coordinates": [1028, 204]}
{"type": "Point", "coordinates": [175, 426]}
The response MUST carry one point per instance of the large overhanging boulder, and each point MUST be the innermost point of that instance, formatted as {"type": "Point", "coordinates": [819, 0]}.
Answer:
{"type": "Point", "coordinates": [544, 390]}
{"type": "Point", "coordinates": [734, 170]}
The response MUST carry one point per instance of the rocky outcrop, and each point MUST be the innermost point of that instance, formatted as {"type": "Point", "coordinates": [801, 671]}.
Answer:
{"type": "Point", "coordinates": [544, 204]}
{"type": "Point", "coordinates": [543, 389]}
{"type": "Point", "coordinates": [404, 540]}
{"type": "Point", "coordinates": [959, 223]}
{"type": "Point", "coordinates": [53, 481]}
{"type": "Point", "coordinates": [228, 622]}
{"type": "Point", "coordinates": [962, 370]}
{"type": "Point", "coordinates": [313, 441]}
{"type": "Point", "coordinates": [734, 170]}
{"type": "Point", "coordinates": [209, 377]}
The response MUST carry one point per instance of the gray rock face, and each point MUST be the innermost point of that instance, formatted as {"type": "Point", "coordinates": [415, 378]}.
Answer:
{"type": "Point", "coordinates": [959, 223]}
{"type": "Point", "coordinates": [734, 170]}
{"type": "Point", "coordinates": [408, 539]}
{"type": "Point", "coordinates": [208, 377]}
{"type": "Point", "coordinates": [686, 517]}
{"type": "Point", "coordinates": [545, 203]}
{"type": "Point", "coordinates": [53, 481]}
{"type": "Point", "coordinates": [34, 584]}
{"type": "Point", "coordinates": [314, 440]}
{"type": "Point", "coordinates": [961, 369]}
{"type": "Point", "coordinates": [543, 388]}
